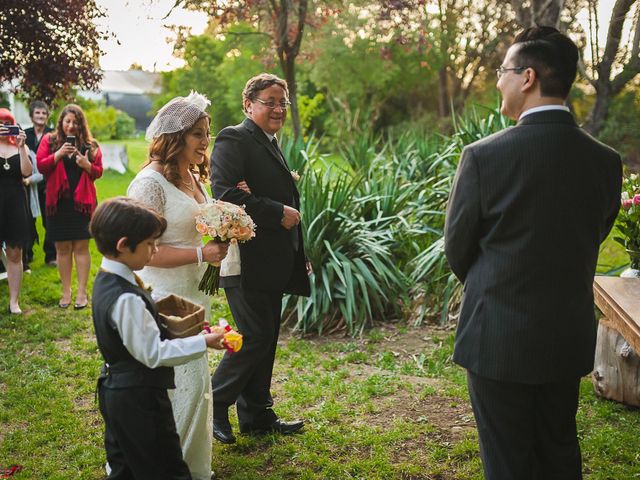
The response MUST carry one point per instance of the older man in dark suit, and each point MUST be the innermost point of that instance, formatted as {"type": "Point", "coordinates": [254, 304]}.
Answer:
{"type": "Point", "coordinates": [248, 168]}
{"type": "Point", "coordinates": [528, 210]}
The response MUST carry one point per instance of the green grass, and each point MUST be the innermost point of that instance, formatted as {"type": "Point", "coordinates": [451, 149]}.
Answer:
{"type": "Point", "coordinates": [388, 405]}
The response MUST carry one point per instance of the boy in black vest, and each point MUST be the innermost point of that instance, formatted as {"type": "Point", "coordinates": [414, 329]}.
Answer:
{"type": "Point", "coordinates": [140, 433]}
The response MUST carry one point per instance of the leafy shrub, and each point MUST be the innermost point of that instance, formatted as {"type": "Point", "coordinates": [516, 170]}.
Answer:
{"type": "Point", "coordinates": [374, 228]}
{"type": "Point", "coordinates": [354, 279]}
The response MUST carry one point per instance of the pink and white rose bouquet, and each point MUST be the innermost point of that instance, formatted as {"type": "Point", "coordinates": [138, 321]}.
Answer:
{"type": "Point", "coordinates": [222, 222]}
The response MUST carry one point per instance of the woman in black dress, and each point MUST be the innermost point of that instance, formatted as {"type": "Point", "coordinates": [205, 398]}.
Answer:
{"type": "Point", "coordinates": [71, 160]}
{"type": "Point", "coordinates": [14, 220]}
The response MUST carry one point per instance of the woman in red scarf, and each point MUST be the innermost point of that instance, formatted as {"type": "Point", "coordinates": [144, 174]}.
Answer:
{"type": "Point", "coordinates": [14, 226]}
{"type": "Point", "coordinates": [71, 161]}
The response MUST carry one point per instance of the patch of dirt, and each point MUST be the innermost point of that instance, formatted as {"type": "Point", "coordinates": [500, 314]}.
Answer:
{"type": "Point", "coordinates": [385, 337]}
{"type": "Point", "coordinates": [452, 418]}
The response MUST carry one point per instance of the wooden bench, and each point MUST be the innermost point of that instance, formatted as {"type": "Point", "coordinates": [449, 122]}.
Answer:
{"type": "Point", "coordinates": [616, 372]}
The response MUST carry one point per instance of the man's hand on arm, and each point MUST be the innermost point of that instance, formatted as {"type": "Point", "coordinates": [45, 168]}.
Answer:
{"type": "Point", "coordinates": [290, 217]}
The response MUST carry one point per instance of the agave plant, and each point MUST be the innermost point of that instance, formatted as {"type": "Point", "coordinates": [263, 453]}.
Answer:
{"type": "Point", "coordinates": [354, 276]}
{"type": "Point", "coordinates": [360, 150]}
{"type": "Point", "coordinates": [479, 122]}
{"type": "Point", "coordinates": [299, 152]}
{"type": "Point", "coordinates": [373, 225]}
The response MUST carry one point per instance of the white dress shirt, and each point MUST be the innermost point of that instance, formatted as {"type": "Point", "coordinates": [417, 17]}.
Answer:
{"type": "Point", "coordinates": [139, 331]}
{"type": "Point", "coordinates": [543, 108]}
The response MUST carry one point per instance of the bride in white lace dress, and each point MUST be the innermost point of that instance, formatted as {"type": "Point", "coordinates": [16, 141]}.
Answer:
{"type": "Point", "coordinates": [170, 182]}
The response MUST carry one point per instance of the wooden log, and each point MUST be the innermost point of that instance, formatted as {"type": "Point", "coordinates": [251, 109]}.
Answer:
{"type": "Point", "coordinates": [617, 298]}
{"type": "Point", "coordinates": [616, 372]}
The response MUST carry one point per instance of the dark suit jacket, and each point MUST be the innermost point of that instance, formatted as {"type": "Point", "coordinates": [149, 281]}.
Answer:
{"type": "Point", "coordinates": [529, 208]}
{"type": "Point", "coordinates": [269, 261]}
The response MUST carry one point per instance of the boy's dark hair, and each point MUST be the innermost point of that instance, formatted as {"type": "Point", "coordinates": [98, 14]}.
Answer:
{"type": "Point", "coordinates": [261, 82]}
{"type": "Point", "coordinates": [37, 104]}
{"type": "Point", "coordinates": [552, 55]}
{"type": "Point", "coordinates": [124, 217]}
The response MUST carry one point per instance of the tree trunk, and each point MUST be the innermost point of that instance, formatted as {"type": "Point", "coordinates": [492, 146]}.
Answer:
{"type": "Point", "coordinates": [616, 372]}
{"type": "Point", "coordinates": [538, 12]}
{"type": "Point", "coordinates": [600, 110]}
{"type": "Point", "coordinates": [289, 66]}
{"type": "Point", "coordinates": [607, 88]}
{"type": "Point", "coordinates": [443, 93]}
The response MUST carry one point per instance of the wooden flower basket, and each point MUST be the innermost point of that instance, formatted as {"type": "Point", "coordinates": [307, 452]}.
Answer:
{"type": "Point", "coordinates": [180, 317]}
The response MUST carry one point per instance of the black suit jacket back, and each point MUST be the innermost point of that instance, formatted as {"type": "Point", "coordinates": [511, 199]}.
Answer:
{"type": "Point", "coordinates": [528, 210]}
{"type": "Point", "coordinates": [269, 262]}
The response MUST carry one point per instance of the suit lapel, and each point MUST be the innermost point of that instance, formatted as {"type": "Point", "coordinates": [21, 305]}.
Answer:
{"type": "Point", "coordinates": [261, 138]}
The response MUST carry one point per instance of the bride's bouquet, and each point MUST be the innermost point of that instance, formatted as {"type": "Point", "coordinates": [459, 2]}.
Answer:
{"type": "Point", "coordinates": [223, 222]}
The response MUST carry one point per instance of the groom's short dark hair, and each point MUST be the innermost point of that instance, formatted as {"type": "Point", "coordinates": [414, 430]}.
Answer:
{"type": "Point", "coordinates": [552, 55]}
{"type": "Point", "coordinates": [121, 217]}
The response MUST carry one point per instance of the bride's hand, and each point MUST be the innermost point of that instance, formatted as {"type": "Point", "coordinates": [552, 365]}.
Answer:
{"type": "Point", "coordinates": [214, 251]}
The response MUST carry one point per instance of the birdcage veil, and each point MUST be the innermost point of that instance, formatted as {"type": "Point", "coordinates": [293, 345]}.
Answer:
{"type": "Point", "coordinates": [180, 113]}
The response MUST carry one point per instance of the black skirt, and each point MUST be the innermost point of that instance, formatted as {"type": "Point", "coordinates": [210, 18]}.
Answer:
{"type": "Point", "coordinates": [14, 213]}
{"type": "Point", "coordinates": [67, 224]}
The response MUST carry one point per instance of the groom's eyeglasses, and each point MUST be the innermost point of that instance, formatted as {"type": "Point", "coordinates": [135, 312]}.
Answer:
{"type": "Point", "coordinates": [271, 104]}
{"type": "Point", "coordinates": [502, 70]}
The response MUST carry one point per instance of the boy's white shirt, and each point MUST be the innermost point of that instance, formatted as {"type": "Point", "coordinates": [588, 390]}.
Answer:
{"type": "Point", "coordinates": [139, 331]}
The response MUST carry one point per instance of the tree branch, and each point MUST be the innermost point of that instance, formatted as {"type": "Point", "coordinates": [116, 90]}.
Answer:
{"type": "Point", "coordinates": [582, 68]}
{"type": "Point", "coordinates": [618, 15]}
{"type": "Point", "coordinates": [302, 15]}
{"type": "Point", "coordinates": [227, 32]}
{"type": "Point", "coordinates": [632, 67]}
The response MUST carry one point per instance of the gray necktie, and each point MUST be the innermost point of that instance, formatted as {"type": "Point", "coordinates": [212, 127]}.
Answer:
{"type": "Point", "coordinates": [274, 142]}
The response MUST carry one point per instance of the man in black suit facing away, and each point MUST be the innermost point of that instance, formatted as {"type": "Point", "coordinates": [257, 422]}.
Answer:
{"type": "Point", "coordinates": [248, 168]}
{"type": "Point", "coordinates": [528, 210]}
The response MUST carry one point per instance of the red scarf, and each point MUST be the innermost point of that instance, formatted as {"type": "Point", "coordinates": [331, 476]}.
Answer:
{"type": "Point", "coordinates": [84, 196]}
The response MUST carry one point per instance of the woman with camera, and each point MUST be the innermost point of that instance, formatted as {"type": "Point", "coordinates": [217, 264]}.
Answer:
{"type": "Point", "coordinates": [71, 161]}
{"type": "Point", "coordinates": [14, 220]}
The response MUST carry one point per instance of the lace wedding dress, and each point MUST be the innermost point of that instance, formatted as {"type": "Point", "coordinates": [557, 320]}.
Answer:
{"type": "Point", "coordinates": [191, 399]}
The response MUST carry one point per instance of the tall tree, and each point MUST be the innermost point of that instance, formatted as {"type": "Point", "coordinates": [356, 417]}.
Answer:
{"type": "Point", "coordinates": [218, 68]}
{"type": "Point", "coordinates": [618, 64]}
{"type": "Point", "coordinates": [462, 40]}
{"type": "Point", "coordinates": [610, 68]}
{"type": "Point", "coordinates": [49, 46]}
{"type": "Point", "coordinates": [284, 21]}
{"type": "Point", "coordinates": [538, 12]}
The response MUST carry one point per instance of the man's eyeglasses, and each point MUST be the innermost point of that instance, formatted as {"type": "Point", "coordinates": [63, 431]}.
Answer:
{"type": "Point", "coordinates": [271, 104]}
{"type": "Point", "coordinates": [502, 70]}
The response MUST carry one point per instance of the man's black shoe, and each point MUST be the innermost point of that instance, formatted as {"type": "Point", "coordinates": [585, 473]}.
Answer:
{"type": "Point", "coordinates": [279, 426]}
{"type": "Point", "coordinates": [223, 433]}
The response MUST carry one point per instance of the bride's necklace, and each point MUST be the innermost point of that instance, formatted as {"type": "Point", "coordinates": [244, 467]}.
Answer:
{"type": "Point", "coordinates": [190, 186]}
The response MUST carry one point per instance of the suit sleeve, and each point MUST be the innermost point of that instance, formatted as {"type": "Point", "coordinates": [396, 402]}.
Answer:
{"type": "Point", "coordinates": [228, 163]}
{"type": "Point", "coordinates": [462, 223]}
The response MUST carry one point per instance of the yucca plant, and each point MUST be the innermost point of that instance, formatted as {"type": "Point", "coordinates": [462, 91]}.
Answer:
{"type": "Point", "coordinates": [360, 149]}
{"type": "Point", "coordinates": [355, 279]}
{"type": "Point", "coordinates": [477, 123]}
{"type": "Point", "coordinates": [374, 228]}
{"type": "Point", "coordinates": [299, 152]}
